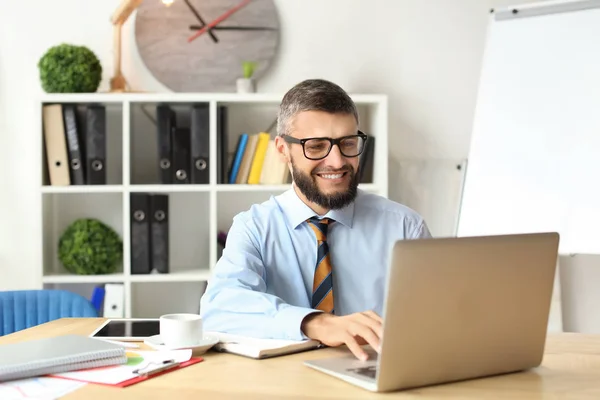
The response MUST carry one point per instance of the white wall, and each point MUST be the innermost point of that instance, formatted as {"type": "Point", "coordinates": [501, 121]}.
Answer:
{"type": "Point", "coordinates": [425, 54]}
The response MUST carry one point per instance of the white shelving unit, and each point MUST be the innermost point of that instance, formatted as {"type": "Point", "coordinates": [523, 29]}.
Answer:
{"type": "Point", "coordinates": [197, 212]}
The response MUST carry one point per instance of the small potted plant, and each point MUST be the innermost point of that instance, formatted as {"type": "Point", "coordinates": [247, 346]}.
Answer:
{"type": "Point", "coordinates": [67, 68]}
{"type": "Point", "coordinates": [247, 84]}
{"type": "Point", "coordinates": [90, 247]}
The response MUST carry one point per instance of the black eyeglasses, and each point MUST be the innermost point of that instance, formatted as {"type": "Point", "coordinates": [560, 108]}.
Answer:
{"type": "Point", "coordinates": [319, 148]}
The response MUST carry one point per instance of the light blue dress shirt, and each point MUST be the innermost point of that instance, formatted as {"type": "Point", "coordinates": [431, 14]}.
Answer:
{"type": "Point", "coordinates": [262, 284]}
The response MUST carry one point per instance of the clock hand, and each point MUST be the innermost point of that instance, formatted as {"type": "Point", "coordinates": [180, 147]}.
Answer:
{"type": "Point", "coordinates": [234, 28]}
{"type": "Point", "coordinates": [197, 14]}
{"type": "Point", "coordinates": [219, 20]}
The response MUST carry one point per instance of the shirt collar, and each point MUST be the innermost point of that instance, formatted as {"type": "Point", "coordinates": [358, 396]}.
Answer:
{"type": "Point", "coordinates": [297, 211]}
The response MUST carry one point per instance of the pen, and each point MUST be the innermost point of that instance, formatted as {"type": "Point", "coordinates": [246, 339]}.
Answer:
{"type": "Point", "coordinates": [170, 364]}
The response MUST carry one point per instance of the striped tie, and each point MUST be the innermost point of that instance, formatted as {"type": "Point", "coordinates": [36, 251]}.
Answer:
{"type": "Point", "coordinates": [322, 298]}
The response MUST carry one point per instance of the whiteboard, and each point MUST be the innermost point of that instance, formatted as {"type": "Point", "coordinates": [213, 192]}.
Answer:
{"type": "Point", "coordinates": [534, 160]}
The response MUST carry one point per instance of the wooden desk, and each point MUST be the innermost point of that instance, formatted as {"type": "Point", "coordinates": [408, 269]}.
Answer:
{"type": "Point", "coordinates": [570, 370]}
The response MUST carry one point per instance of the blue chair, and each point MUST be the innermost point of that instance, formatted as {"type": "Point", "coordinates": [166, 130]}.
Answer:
{"type": "Point", "coordinates": [22, 309]}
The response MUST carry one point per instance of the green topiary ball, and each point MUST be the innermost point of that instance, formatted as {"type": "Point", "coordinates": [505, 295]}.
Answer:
{"type": "Point", "coordinates": [89, 247]}
{"type": "Point", "coordinates": [68, 68]}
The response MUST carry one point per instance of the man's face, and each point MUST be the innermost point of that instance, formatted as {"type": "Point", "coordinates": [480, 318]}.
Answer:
{"type": "Point", "coordinates": [332, 182]}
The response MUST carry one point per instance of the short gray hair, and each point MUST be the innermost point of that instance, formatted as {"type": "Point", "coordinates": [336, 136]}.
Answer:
{"type": "Point", "coordinates": [313, 95]}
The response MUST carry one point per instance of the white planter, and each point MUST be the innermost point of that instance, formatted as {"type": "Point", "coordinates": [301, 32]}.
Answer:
{"type": "Point", "coordinates": [246, 85]}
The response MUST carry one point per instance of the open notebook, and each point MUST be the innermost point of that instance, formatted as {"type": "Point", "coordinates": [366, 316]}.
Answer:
{"type": "Point", "coordinates": [260, 348]}
{"type": "Point", "coordinates": [57, 354]}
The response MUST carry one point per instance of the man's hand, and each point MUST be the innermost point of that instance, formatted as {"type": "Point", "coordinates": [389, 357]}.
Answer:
{"type": "Point", "coordinates": [352, 330]}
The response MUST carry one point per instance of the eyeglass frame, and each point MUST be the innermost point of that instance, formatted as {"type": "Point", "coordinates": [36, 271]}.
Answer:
{"type": "Point", "coordinates": [332, 142]}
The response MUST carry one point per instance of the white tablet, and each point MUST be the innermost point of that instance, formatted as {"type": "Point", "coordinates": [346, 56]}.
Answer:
{"type": "Point", "coordinates": [128, 329]}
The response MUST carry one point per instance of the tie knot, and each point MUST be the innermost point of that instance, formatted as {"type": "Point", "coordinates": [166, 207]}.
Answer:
{"type": "Point", "coordinates": [319, 226]}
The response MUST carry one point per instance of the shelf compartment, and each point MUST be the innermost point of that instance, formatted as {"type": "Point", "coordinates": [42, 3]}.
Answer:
{"type": "Point", "coordinates": [152, 133]}
{"type": "Point", "coordinates": [235, 119]}
{"type": "Point", "coordinates": [57, 125]}
{"type": "Point", "coordinates": [62, 209]}
{"type": "Point", "coordinates": [187, 233]}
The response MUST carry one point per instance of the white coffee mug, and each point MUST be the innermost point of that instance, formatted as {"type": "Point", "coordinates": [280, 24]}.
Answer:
{"type": "Point", "coordinates": [180, 330]}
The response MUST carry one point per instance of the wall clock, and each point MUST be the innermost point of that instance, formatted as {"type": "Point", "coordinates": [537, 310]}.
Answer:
{"type": "Point", "coordinates": [200, 45]}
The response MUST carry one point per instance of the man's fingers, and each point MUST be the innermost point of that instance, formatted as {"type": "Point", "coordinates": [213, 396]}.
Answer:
{"type": "Point", "coordinates": [373, 315]}
{"type": "Point", "coordinates": [355, 348]}
{"type": "Point", "coordinates": [372, 323]}
{"type": "Point", "coordinates": [366, 333]}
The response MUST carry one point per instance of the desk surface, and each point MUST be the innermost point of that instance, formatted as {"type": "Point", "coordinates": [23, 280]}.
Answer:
{"type": "Point", "coordinates": [571, 369]}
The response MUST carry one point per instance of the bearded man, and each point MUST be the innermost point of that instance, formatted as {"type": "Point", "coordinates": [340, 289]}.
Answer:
{"type": "Point", "coordinates": [311, 262]}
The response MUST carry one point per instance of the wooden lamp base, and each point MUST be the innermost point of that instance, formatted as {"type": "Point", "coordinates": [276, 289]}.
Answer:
{"type": "Point", "coordinates": [118, 84]}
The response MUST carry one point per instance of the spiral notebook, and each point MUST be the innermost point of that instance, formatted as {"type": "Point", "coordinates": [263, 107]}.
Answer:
{"type": "Point", "coordinates": [57, 354]}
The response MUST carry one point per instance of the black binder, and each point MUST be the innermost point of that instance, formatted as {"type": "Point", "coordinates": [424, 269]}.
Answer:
{"type": "Point", "coordinates": [140, 233]}
{"type": "Point", "coordinates": [159, 228]}
{"type": "Point", "coordinates": [181, 155]}
{"type": "Point", "coordinates": [165, 123]}
{"type": "Point", "coordinates": [200, 143]}
{"type": "Point", "coordinates": [74, 145]}
{"type": "Point", "coordinates": [365, 169]}
{"type": "Point", "coordinates": [95, 145]}
{"type": "Point", "coordinates": [222, 145]}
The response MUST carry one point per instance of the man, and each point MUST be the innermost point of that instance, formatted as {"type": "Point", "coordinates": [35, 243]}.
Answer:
{"type": "Point", "coordinates": [284, 276]}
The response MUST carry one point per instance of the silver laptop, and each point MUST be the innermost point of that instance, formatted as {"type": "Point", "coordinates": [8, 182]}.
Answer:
{"type": "Point", "coordinates": [457, 309]}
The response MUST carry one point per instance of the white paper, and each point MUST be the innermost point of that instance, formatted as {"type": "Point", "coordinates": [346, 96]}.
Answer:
{"type": "Point", "coordinates": [42, 388]}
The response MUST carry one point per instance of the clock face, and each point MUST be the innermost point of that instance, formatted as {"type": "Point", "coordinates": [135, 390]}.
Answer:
{"type": "Point", "coordinates": [200, 45]}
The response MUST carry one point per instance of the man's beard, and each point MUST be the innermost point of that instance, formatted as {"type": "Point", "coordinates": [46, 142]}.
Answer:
{"type": "Point", "coordinates": [309, 187]}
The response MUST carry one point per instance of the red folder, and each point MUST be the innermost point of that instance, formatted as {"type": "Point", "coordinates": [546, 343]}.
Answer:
{"type": "Point", "coordinates": [132, 381]}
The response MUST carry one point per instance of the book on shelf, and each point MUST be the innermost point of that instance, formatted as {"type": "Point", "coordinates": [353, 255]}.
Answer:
{"type": "Point", "coordinates": [246, 162]}
{"type": "Point", "coordinates": [258, 158]}
{"type": "Point", "coordinates": [75, 144]}
{"type": "Point", "coordinates": [256, 161]}
{"type": "Point", "coordinates": [274, 171]}
{"type": "Point", "coordinates": [236, 162]}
